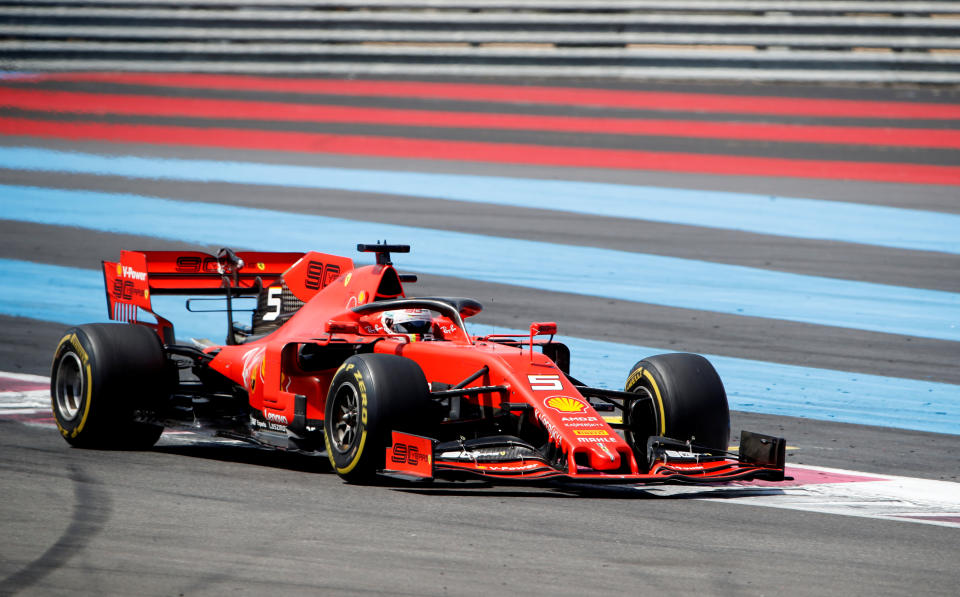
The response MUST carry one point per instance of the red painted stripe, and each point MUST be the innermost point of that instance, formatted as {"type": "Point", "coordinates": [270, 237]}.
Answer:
{"type": "Point", "coordinates": [19, 385]}
{"type": "Point", "coordinates": [604, 98]}
{"type": "Point", "coordinates": [40, 417]}
{"type": "Point", "coordinates": [805, 476]}
{"type": "Point", "coordinates": [93, 103]}
{"type": "Point", "coordinates": [510, 153]}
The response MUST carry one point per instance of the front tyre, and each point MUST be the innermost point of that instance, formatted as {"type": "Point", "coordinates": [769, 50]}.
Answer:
{"type": "Point", "coordinates": [684, 400]}
{"type": "Point", "coordinates": [103, 379]}
{"type": "Point", "coordinates": [370, 396]}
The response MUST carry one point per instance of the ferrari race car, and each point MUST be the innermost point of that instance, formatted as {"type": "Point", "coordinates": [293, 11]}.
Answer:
{"type": "Point", "coordinates": [339, 361]}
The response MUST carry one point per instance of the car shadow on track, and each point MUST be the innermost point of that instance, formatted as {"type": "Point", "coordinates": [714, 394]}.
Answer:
{"type": "Point", "coordinates": [238, 453]}
{"type": "Point", "coordinates": [580, 490]}
{"type": "Point", "coordinates": [243, 454]}
{"type": "Point", "coordinates": [489, 490]}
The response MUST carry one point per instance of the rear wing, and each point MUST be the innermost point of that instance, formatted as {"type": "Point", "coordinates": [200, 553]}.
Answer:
{"type": "Point", "coordinates": [131, 282]}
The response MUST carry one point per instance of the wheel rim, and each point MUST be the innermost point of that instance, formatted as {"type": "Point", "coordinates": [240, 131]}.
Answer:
{"type": "Point", "coordinates": [346, 417]}
{"type": "Point", "coordinates": [636, 434]}
{"type": "Point", "coordinates": [69, 389]}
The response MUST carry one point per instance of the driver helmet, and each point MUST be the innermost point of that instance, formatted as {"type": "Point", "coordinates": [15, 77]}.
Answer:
{"type": "Point", "coordinates": [408, 321]}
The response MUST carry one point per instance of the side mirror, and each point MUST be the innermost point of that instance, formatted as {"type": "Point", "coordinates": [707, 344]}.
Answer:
{"type": "Point", "coordinates": [543, 328]}
{"type": "Point", "coordinates": [342, 327]}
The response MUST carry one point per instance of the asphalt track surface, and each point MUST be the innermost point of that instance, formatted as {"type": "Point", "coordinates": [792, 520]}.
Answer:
{"type": "Point", "coordinates": [194, 517]}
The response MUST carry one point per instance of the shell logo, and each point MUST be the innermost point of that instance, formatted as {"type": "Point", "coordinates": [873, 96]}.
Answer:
{"type": "Point", "coordinates": [565, 404]}
{"type": "Point", "coordinates": [119, 270]}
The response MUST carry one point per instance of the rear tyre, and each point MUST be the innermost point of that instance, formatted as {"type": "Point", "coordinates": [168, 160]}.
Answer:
{"type": "Point", "coordinates": [104, 379]}
{"type": "Point", "coordinates": [370, 396]}
{"type": "Point", "coordinates": [686, 402]}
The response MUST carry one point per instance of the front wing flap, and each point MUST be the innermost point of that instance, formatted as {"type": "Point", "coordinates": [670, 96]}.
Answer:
{"type": "Point", "coordinates": [507, 459]}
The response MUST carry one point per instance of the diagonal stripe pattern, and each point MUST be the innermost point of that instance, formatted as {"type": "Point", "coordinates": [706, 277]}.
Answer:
{"type": "Point", "coordinates": [784, 216]}
{"type": "Point", "coordinates": [854, 173]}
{"type": "Point", "coordinates": [602, 272]}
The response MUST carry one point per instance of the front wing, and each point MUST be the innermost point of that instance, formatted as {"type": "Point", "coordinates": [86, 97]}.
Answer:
{"type": "Point", "coordinates": [413, 456]}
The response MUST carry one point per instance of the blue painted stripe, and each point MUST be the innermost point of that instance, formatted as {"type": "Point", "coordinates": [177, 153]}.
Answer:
{"type": "Point", "coordinates": [762, 214]}
{"type": "Point", "coordinates": [71, 296]}
{"type": "Point", "coordinates": [588, 271]}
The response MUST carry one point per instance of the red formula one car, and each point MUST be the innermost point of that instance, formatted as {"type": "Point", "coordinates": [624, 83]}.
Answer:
{"type": "Point", "coordinates": [339, 361]}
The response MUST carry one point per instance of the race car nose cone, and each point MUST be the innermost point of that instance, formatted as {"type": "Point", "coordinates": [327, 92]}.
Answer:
{"type": "Point", "coordinates": [603, 458]}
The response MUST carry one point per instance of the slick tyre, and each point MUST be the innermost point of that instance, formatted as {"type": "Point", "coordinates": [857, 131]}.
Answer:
{"type": "Point", "coordinates": [370, 396]}
{"type": "Point", "coordinates": [686, 401]}
{"type": "Point", "coordinates": [104, 378]}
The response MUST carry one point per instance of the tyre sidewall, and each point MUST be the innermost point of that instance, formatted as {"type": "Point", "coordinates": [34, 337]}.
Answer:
{"type": "Point", "coordinates": [689, 399]}
{"type": "Point", "coordinates": [357, 461]}
{"type": "Point", "coordinates": [393, 395]}
{"type": "Point", "coordinates": [76, 429]}
{"type": "Point", "coordinates": [124, 371]}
